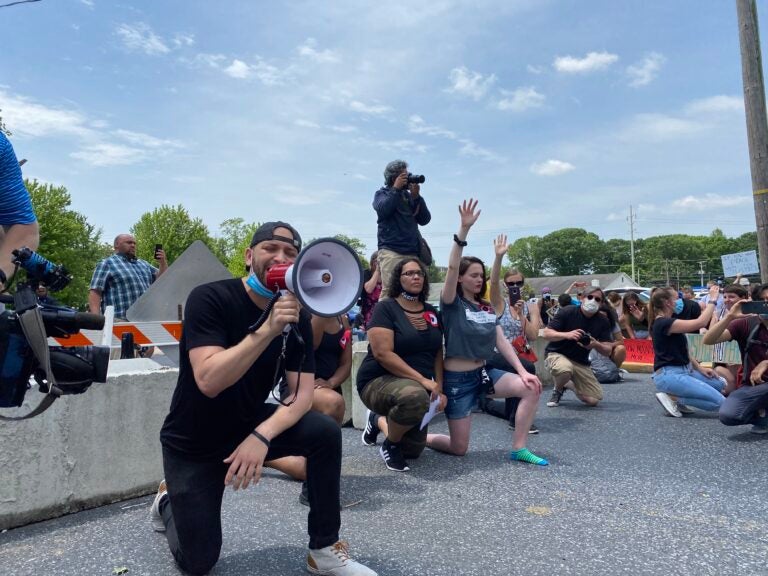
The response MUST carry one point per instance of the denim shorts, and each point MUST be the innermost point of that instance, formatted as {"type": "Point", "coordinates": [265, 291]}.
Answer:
{"type": "Point", "coordinates": [463, 389]}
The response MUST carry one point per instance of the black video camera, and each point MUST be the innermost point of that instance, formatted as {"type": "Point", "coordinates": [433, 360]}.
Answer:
{"type": "Point", "coordinates": [416, 178]}
{"type": "Point", "coordinates": [74, 368]}
{"type": "Point", "coordinates": [585, 339]}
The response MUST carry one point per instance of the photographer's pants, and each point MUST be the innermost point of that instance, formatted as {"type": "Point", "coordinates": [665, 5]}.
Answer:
{"type": "Point", "coordinates": [742, 405]}
{"type": "Point", "coordinates": [192, 512]}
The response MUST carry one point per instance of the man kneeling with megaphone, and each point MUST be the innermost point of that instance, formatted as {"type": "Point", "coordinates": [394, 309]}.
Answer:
{"type": "Point", "coordinates": [236, 342]}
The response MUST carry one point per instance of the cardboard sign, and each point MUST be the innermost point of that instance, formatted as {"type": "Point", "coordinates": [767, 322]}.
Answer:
{"type": "Point", "coordinates": [639, 351]}
{"type": "Point", "coordinates": [740, 263]}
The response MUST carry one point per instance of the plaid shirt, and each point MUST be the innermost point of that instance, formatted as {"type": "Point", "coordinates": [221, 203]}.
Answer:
{"type": "Point", "coordinates": [121, 281]}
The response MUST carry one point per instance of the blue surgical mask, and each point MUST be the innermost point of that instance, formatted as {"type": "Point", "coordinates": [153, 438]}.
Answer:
{"type": "Point", "coordinates": [255, 284]}
{"type": "Point", "coordinates": [678, 305]}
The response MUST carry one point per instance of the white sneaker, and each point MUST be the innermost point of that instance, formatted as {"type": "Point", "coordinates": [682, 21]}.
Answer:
{"type": "Point", "coordinates": [154, 512]}
{"type": "Point", "coordinates": [335, 561]}
{"type": "Point", "coordinates": [685, 409]}
{"type": "Point", "coordinates": [668, 404]}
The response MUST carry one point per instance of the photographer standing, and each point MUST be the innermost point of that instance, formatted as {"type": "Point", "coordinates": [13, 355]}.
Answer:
{"type": "Point", "coordinates": [401, 210]}
{"type": "Point", "coordinates": [572, 334]}
{"type": "Point", "coordinates": [220, 430]}
{"type": "Point", "coordinates": [18, 223]}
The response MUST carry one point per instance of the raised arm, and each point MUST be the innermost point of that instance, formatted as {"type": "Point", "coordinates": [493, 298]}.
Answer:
{"type": "Point", "coordinates": [469, 215]}
{"type": "Point", "coordinates": [684, 326]}
{"type": "Point", "coordinates": [499, 248]}
{"type": "Point", "coordinates": [718, 332]}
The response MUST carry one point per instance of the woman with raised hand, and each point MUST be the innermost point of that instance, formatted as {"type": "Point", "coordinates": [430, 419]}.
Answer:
{"type": "Point", "coordinates": [674, 371]}
{"type": "Point", "coordinates": [471, 332]}
{"type": "Point", "coordinates": [403, 370]}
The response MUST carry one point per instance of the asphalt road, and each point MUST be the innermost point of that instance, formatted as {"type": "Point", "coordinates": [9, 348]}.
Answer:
{"type": "Point", "coordinates": [628, 491]}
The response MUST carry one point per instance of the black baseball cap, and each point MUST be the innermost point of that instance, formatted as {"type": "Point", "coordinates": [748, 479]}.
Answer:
{"type": "Point", "coordinates": [267, 232]}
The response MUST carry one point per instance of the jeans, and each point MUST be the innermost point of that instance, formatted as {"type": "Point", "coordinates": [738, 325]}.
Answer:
{"type": "Point", "coordinates": [742, 405]}
{"type": "Point", "coordinates": [690, 386]}
{"type": "Point", "coordinates": [192, 511]}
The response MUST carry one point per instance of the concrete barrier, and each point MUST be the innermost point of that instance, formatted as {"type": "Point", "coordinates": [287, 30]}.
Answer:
{"type": "Point", "coordinates": [86, 450]}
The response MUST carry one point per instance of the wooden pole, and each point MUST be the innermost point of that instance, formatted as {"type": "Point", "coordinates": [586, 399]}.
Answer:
{"type": "Point", "coordinates": [757, 123]}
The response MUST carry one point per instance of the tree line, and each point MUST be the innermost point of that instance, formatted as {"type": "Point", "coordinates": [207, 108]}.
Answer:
{"type": "Point", "coordinates": [673, 258]}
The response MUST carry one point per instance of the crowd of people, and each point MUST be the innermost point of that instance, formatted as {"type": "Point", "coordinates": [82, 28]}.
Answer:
{"type": "Point", "coordinates": [243, 343]}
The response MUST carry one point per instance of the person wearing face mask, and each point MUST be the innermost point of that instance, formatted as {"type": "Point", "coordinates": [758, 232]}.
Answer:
{"type": "Point", "coordinates": [220, 430]}
{"type": "Point", "coordinates": [572, 334]}
{"type": "Point", "coordinates": [674, 371]}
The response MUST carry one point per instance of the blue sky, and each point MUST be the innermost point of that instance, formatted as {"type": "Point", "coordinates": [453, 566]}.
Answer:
{"type": "Point", "coordinates": [552, 113]}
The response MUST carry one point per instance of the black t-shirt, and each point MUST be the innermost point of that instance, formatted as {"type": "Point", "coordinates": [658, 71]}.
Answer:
{"type": "Point", "coordinates": [417, 348]}
{"type": "Point", "coordinates": [572, 318]}
{"type": "Point", "coordinates": [219, 314]}
{"type": "Point", "coordinates": [668, 349]}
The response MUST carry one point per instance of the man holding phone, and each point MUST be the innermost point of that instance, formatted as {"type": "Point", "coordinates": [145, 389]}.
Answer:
{"type": "Point", "coordinates": [747, 324]}
{"type": "Point", "coordinates": [120, 279]}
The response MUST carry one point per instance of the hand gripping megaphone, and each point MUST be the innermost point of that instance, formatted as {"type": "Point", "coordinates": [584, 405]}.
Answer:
{"type": "Point", "coordinates": [326, 277]}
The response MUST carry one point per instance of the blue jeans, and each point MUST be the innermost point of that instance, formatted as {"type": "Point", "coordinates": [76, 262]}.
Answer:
{"type": "Point", "coordinates": [463, 389]}
{"type": "Point", "coordinates": [690, 386]}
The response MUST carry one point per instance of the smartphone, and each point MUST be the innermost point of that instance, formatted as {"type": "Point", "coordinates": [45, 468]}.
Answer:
{"type": "Point", "coordinates": [533, 301]}
{"type": "Point", "coordinates": [514, 294]}
{"type": "Point", "coordinates": [158, 247]}
{"type": "Point", "coordinates": [755, 307]}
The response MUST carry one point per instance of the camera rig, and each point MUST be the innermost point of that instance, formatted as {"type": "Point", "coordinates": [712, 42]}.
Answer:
{"type": "Point", "coordinates": [24, 350]}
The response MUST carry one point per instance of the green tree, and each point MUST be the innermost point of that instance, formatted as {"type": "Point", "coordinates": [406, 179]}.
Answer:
{"type": "Point", "coordinates": [528, 255]}
{"type": "Point", "coordinates": [571, 251]}
{"type": "Point", "coordinates": [3, 127]}
{"type": "Point", "coordinates": [67, 238]}
{"type": "Point", "coordinates": [235, 237]}
{"type": "Point", "coordinates": [174, 228]}
{"type": "Point", "coordinates": [435, 274]}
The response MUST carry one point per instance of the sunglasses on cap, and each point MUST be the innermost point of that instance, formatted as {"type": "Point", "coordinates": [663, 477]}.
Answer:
{"type": "Point", "coordinates": [595, 298]}
{"type": "Point", "coordinates": [515, 283]}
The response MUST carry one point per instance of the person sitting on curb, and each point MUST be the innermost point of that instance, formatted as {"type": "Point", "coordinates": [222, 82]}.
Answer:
{"type": "Point", "coordinates": [572, 334]}
{"type": "Point", "coordinates": [747, 404]}
{"type": "Point", "coordinates": [403, 369]}
{"type": "Point", "coordinates": [674, 371]}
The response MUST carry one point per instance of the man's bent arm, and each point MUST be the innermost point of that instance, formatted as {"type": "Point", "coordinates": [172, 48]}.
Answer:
{"type": "Point", "coordinates": [385, 201]}
{"type": "Point", "coordinates": [216, 368]}
{"type": "Point", "coordinates": [286, 416]}
{"type": "Point", "coordinates": [554, 335]}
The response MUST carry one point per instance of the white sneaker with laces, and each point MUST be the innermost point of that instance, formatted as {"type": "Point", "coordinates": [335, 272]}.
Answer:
{"type": "Point", "coordinates": [334, 560]}
{"type": "Point", "coordinates": [668, 404]}
{"type": "Point", "coordinates": [154, 512]}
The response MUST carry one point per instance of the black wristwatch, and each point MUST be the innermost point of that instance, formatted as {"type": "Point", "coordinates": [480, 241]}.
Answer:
{"type": "Point", "coordinates": [461, 243]}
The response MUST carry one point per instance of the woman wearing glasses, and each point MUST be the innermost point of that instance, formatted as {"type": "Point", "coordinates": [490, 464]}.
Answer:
{"type": "Point", "coordinates": [471, 332]}
{"type": "Point", "coordinates": [403, 370]}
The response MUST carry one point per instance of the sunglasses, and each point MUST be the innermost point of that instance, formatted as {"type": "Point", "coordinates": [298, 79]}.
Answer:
{"type": "Point", "coordinates": [517, 283]}
{"type": "Point", "coordinates": [412, 273]}
{"type": "Point", "coordinates": [595, 298]}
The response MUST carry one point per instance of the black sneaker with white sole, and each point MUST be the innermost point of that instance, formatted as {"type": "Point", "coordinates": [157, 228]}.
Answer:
{"type": "Point", "coordinates": [531, 430]}
{"type": "Point", "coordinates": [554, 400]}
{"type": "Point", "coordinates": [393, 457]}
{"type": "Point", "coordinates": [371, 431]}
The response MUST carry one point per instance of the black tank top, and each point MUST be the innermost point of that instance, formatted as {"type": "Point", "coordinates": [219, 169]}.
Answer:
{"type": "Point", "coordinates": [328, 354]}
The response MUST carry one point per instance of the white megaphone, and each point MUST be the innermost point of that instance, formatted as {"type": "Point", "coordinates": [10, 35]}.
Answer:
{"type": "Point", "coordinates": [326, 277]}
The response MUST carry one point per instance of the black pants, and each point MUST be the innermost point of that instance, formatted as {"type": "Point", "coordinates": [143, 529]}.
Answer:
{"type": "Point", "coordinates": [741, 406]}
{"type": "Point", "coordinates": [192, 513]}
{"type": "Point", "coordinates": [504, 409]}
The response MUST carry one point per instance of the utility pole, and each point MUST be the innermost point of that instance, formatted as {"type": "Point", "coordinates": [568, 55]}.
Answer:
{"type": "Point", "coordinates": [701, 272]}
{"type": "Point", "coordinates": [632, 240]}
{"type": "Point", "coordinates": [757, 123]}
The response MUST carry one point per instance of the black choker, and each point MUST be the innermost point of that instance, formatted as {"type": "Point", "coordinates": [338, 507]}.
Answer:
{"type": "Point", "coordinates": [409, 297]}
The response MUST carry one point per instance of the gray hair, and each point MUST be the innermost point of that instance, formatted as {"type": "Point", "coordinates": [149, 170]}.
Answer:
{"type": "Point", "coordinates": [392, 170]}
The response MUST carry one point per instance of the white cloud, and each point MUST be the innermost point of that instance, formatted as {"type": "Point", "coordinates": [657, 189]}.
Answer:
{"type": "Point", "coordinates": [105, 154]}
{"type": "Point", "coordinates": [212, 60]}
{"type": "Point", "coordinates": [27, 118]}
{"type": "Point", "coordinates": [658, 127]}
{"type": "Point", "coordinates": [708, 202]}
{"type": "Point", "coordinates": [521, 99]}
{"type": "Point", "coordinates": [465, 82]}
{"type": "Point", "coordinates": [139, 37]}
{"type": "Point", "coordinates": [403, 145]}
{"type": "Point", "coordinates": [373, 109]}
{"type": "Point", "coordinates": [590, 63]}
{"type": "Point", "coordinates": [306, 123]}
{"type": "Point", "coordinates": [469, 148]}
{"type": "Point", "coordinates": [309, 50]}
{"type": "Point", "coordinates": [88, 3]}
{"type": "Point", "coordinates": [181, 40]}
{"type": "Point", "coordinates": [270, 75]}
{"type": "Point", "coordinates": [238, 69]}
{"type": "Point", "coordinates": [715, 105]}
{"type": "Point", "coordinates": [552, 168]}
{"type": "Point", "coordinates": [645, 72]}
{"type": "Point", "coordinates": [344, 129]}
{"type": "Point", "coordinates": [417, 125]}
{"type": "Point", "coordinates": [535, 69]}
{"type": "Point", "coordinates": [145, 140]}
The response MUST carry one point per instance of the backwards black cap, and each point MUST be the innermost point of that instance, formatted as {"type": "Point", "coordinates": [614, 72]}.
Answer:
{"type": "Point", "coordinates": [267, 232]}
